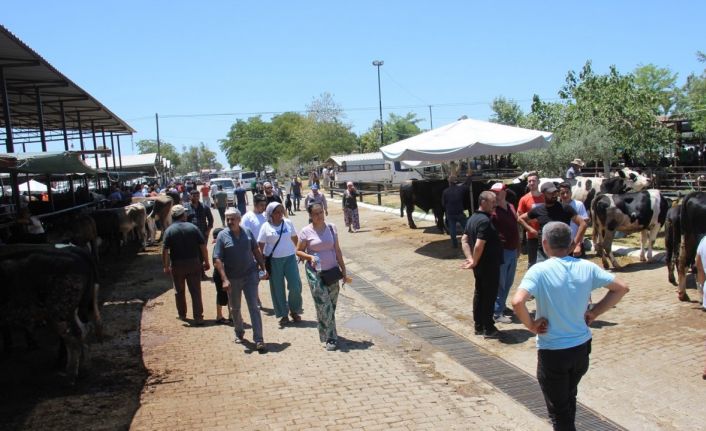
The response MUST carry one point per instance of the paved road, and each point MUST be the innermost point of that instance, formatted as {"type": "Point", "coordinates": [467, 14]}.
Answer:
{"type": "Point", "coordinates": [645, 372]}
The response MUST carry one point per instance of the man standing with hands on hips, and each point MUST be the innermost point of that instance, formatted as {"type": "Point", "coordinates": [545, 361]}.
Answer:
{"type": "Point", "coordinates": [562, 286]}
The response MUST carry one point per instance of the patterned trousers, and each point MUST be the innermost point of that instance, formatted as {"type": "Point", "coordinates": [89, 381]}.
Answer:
{"type": "Point", "coordinates": [350, 216]}
{"type": "Point", "coordinates": [325, 298]}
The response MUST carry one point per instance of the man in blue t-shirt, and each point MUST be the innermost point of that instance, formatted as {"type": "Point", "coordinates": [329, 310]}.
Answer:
{"type": "Point", "coordinates": [562, 287]}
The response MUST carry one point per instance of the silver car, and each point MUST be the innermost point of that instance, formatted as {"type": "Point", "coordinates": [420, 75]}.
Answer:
{"type": "Point", "coordinates": [228, 186]}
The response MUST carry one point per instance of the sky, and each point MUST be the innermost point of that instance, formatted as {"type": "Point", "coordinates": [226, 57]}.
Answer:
{"type": "Point", "coordinates": [203, 65]}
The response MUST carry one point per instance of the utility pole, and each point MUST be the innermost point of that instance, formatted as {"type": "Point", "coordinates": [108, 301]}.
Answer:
{"type": "Point", "coordinates": [378, 63]}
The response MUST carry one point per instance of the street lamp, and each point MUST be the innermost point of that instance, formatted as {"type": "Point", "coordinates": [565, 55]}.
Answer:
{"type": "Point", "coordinates": [378, 63]}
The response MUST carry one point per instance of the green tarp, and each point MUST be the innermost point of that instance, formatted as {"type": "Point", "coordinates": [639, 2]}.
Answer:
{"type": "Point", "coordinates": [53, 163]}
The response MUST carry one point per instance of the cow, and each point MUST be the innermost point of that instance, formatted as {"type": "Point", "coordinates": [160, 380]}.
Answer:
{"type": "Point", "coordinates": [692, 224]}
{"type": "Point", "coordinates": [78, 229]}
{"type": "Point", "coordinates": [672, 240]}
{"type": "Point", "coordinates": [58, 285]}
{"type": "Point", "coordinates": [425, 194]}
{"type": "Point", "coordinates": [625, 180]}
{"type": "Point", "coordinates": [161, 213]}
{"type": "Point", "coordinates": [115, 224]}
{"type": "Point", "coordinates": [643, 211]}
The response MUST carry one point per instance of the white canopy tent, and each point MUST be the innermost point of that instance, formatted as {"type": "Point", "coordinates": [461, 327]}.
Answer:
{"type": "Point", "coordinates": [464, 139]}
{"type": "Point", "coordinates": [34, 187]}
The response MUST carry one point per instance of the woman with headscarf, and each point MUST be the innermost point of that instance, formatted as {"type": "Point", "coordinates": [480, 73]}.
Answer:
{"type": "Point", "coordinates": [277, 239]}
{"type": "Point", "coordinates": [318, 246]}
{"type": "Point", "coordinates": [350, 208]}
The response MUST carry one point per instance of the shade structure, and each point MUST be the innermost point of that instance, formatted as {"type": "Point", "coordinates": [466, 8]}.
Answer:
{"type": "Point", "coordinates": [463, 139]}
{"type": "Point", "coordinates": [61, 162]}
{"type": "Point", "coordinates": [34, 187]}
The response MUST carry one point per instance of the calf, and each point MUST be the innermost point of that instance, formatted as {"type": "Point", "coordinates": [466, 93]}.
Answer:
{"type": "Point", "coordinates": [56, 285]}
{"type": "Point", "coordinates": [630, 212]}
{"type": "Point", "coordinates": [692, 220]}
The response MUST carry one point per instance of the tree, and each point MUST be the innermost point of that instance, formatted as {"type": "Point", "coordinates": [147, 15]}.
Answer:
{"type": "Point", "coordinates": [250, 144]}
{"type": "Point", "coordinates": [324, 109]}
{"type": "Point", "coordinates": [396, 128]}
{"type": "Point", "coordinates": [693, 101]}
{"type": "Point", "coordinates": [661, 82]}
{"type": "Point", "coordinates": [167, 150]}
{"type": "Point", "coordinates": [506, 112]}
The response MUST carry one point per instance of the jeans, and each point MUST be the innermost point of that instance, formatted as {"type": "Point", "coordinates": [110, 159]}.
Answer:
{"type": "Point", "coordinates": [559, 373]}
{"type": "Point", "coordinates": [507, 277]}
{"type": "Point", "coordinates": [451, 220]}
{"type": "Point", "coordinates": [248, 286]}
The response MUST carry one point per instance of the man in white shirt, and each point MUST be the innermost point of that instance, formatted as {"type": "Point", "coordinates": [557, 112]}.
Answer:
{"type": "Point", "coordinates": [253, 220]}
{"type": "Point", "coordinates": [578, 206]}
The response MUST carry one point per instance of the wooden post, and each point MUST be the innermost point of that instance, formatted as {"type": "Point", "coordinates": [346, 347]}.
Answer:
{"type": "Point", "coordinates": [379, 194]}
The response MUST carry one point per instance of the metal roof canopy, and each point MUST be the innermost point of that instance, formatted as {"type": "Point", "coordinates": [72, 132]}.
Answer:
{"type": "Point", "coordinates": [30, 79]}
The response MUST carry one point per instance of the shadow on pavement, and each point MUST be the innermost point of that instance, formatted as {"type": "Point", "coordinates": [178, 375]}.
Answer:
{"type": "Point", "coordinates": [34, 396]}
{"type": "Point", "coordinates": [441, 249]}
{"type": "Point", "coordinates": [270, 347]}
{"type": "Point", "coordinates": [345, 345]}
{"type": "Point", "coordinates": [515, 336]}
{"type": "Point", "coordinates": [638, 266]}
{"type": "Point", "coordinates": [598, 324]}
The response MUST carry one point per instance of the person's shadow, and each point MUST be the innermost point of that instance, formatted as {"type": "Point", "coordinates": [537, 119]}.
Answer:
{"type": "Point", "coordinates": [269, 347]}
{"type": "Point", "coordinates": [345, 345]}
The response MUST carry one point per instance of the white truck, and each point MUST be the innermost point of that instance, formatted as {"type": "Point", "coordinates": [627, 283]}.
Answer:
{"type": "Point", "coordinates": [371, 167]}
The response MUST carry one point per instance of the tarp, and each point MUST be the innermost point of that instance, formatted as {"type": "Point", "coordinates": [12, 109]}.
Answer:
{"type": "Point", "coordinates": [464, 139]}
{"type": "Point", "coordinates": [33, 186]}
{"type": "Point", "coordinates": [54, 163]}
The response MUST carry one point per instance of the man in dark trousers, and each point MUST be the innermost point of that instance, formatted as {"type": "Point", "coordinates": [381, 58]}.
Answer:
{"type": "Point", "coordinates": [184, 256]}
{"type": "Point", "coordinates": [562, 286]}
{"type": "Point", "coordinates": [484, 254]}
{"type": "Point", "coordinates": [552, 210]}
{"type": "Point", "coordinates": [201, 216]}
{"type": "Point", "coordinates": [452, 201]}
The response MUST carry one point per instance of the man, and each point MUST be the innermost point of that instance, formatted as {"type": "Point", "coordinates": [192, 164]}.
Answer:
{"type": "Point", "coordinates": [237, 257]}
{"type": "Point", "coordinates": [220, 200]}
{"type": "Point", "coordinates": [483, 251]}
{"type": "Point", "coordinates": [295, 189]}
{"type": "Point", "coordinates": [316, 198]}
{"type": "Point", "coordinates": [241, 198]}
{"type": "Point", "coordinates": [277, 190]}
{"type": "Point", "coordinates": [574, 169]}
{"type": "Point", "coordinates": [200, 216]}
{"type": "Point", "coordinates": [452, 201]}
{"type": "Point", "coordinates": [270, 193]}
{"type": "Point", "coordinates": [505, 221]}
{"type": "Point", "coordinates": [562, 287]}
{"type": "Point", "coordinates": [324, 175]}
{"type": "Point", "coordinates": [184, 256]}
{"type": "Point", "coordinates": [254, 220]}
{"type": "Point", "coordinates": [549, 211]}
{"type": "Point", "coordinates": [565, 198]}
{"type": "Point", "coordinates": [533, 198]}
{"type": "Point", "coordinates": [206, 195]}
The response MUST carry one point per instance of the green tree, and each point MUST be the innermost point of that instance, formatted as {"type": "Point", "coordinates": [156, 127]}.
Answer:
{"type": "Point", "coordinates": [396, 128]}
{"type": "Point", "coordinates": [250, 144]}
{"type": "Point", "coordinates": [167, 150]}
{"type": "Point", "coordinates": [661, 82]}
{"type": "Point", "coordinates": [506, 112]}
{"type": "Point", "coordinates": [693, 101]}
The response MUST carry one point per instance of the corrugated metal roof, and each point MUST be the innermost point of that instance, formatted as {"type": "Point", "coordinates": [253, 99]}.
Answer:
{"type": "Point", "coordinates": [362, 157]}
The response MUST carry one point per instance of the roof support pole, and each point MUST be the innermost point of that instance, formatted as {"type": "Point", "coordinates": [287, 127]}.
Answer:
{"type": "Point", "coordinates": [120, 156]}
{"type": "Point", "coordinates": [63, 126]}
{"type": "Point", "coordinates": [105, 155]}
{"type": "Point", "coordinates": [40, 119]}
{"type": "Point", "coordinates": [156, 119]}
{"type": "Point", "coordinates": [95, 145]}
{"type": "Point", "coordinates": [80, 134]}
{"type": "Point", "coordinates": [112, 149]}
{"type": "Point", "coordinates": [9, 143]}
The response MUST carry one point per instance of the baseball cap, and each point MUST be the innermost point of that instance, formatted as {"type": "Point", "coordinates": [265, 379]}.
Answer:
{"type": "Point", "coordinates": [315, 186]}
{"type": "Point", "coordinates": [498, 187]}
{"type": "Point", "coordinates": [548, 187]}
{"type": "Point", "coordinates": [178, 210]}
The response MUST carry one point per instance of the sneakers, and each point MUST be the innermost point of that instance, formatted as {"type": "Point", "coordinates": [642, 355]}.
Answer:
{"type": "Point", "coordinates": [283, 321]}
{"type": "Point", "coordinates": [502, 319]}
{"type": "Point", "coordinates": [331, 345]}
{"type": "Point", "coordinates": [260, 347]}
{"type": "Point", "coordinates": [296, 318]}
{"type": "Point", "coordinates": [239, 338]}
{"type": "Point", "coordinates": [478, 331]}
{"type": "Point", "coordinates": [491, 333]}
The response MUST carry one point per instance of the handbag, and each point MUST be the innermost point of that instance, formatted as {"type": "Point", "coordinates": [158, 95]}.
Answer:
{"type": "Point", "coordinates": [331, 276]}
{"type": "Point", "coordinates": [268, 259]}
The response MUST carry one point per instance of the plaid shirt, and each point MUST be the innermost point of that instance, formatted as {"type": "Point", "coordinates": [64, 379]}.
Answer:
{"type": "Point", "coordinates": [201, 217]}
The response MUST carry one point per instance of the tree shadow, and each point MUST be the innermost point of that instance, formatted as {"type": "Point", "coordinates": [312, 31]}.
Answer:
{"type": "Point", "coordinates": [345, 345]}
{"type": "Point", "coordinates": [441, 249]}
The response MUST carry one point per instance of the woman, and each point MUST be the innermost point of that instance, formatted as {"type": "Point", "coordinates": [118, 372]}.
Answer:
{"type": "Point", "coordinates": [350, 208]}
{"type": "Point", "coordinates": [278, 238]}
{"type": "Point", "coordinates": [321, 238]}
{"type": "Point", "coordinates": [295, 189]}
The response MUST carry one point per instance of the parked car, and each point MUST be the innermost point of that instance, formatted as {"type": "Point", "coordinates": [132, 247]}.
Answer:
{"type": "Point", "coordinates": [228, 187]}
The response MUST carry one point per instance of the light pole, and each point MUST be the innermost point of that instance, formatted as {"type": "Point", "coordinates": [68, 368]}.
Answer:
{"type": "Point", "coordinates": [378, 63]}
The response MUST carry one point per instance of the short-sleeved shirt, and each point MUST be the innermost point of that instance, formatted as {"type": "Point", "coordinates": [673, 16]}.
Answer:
{"type": "Point", "coordinates": [319, 198]}
{"type": "Point", "coordinates": [505, 221]}
{"type": "Point", "coordinates": [296, 188]}
{"type": "Point", "coordinates": [220, 198]}
{"type": "Point", "coordinates": [580, 209]}
{"type": "Point", "coordinates": [527, 202]}
{"type": "Point", "coordinates": [236, 252]}
{"type": "Point", "coordinates": [240, 195]}
{"type": "Point", "coordinates": [701, 251]}
{"type": "Point", "coordinates": [205, 190]}
{"type": "Point", "coordinates": [322, 243]}
{"type": "Point", "coordinates": [273, 198]}
{"type": "Point", "coordinates": [269, 235]}
{"type": "Point", "coordinates": [253, 221]}
{"type": "Point", "coordinates": [562, 288]}
{"type": "Point", "coordinates": [571, 173]}
{"type": "Point", "coordinates": [183, 240]}
{"type": "Point", "coordinates": [452, 199]}
{"type": "Point", "coordinates": [557, 212]}
{"type": "Point", "coordinates": [479, 226]}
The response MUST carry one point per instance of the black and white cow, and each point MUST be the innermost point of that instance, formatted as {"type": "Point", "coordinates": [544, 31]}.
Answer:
{"type": "Point", "coordinates": [625, 180]}
{"type": "Point", "coordinates": [643, 212]}
{"type": "Point", "coordinates": [692, 228]}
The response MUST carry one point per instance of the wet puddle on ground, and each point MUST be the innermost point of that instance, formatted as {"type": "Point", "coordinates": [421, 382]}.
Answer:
{"type": "Point", "coordinates": [365, 323]}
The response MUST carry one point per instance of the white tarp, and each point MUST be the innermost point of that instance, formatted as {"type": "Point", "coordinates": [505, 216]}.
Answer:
{"type": "Point", "coordinates": [33, 187]}
{"type": "Point", "coordinates": [464, 139]}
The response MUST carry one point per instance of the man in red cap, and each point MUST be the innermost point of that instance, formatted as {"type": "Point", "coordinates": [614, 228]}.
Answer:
{"type": "Point", "coordinates": [505, 220]}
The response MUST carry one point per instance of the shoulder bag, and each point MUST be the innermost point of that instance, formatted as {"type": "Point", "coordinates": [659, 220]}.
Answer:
{"type": "Point", "coordinates": [268, 259]}
{"type": "Point", "coordinates": [331, 276]}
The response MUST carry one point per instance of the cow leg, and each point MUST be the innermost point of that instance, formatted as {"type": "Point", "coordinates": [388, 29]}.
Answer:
{"type": "Point", "coordinates": [681, 273]}
{"type": "Point", "coordinates": [643, 245]}
{"type": "Point", "coordinates": [608, 250]}
{"type": "Point", "coordinates": [97, 319]}
{"type": "Point", "coordinates": [410, 221]}
{"type": "Point", "coordinates": [654, 231]}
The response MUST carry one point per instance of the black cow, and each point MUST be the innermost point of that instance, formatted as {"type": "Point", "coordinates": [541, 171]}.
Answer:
{"type": "Point", "coordinates": [425, 194]}
{"type": "Point", "coordinates": [57, 285]}
{"type": "Point", "coordinates": [692, 220]}
{"type": "Point", "coordinates": [672, 240]}
{"type": "Point", "coordinates": [77, 229]}
{"type": "Point", "coordinates": [643, 212]}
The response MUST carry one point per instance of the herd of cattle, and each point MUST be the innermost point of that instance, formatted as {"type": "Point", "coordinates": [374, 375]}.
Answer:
{"type": "Point", "coordinates": [54, 281]}
{"type": "Point", "coordinates": [621, 203]}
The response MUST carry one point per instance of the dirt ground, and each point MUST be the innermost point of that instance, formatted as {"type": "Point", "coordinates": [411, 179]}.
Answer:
{"type": "Point", "coordinates": [35, 396]}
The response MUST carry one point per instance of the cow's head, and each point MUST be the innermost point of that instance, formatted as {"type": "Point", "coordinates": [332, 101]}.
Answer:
{"type": "Point", "coordinates": [634, 180]}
